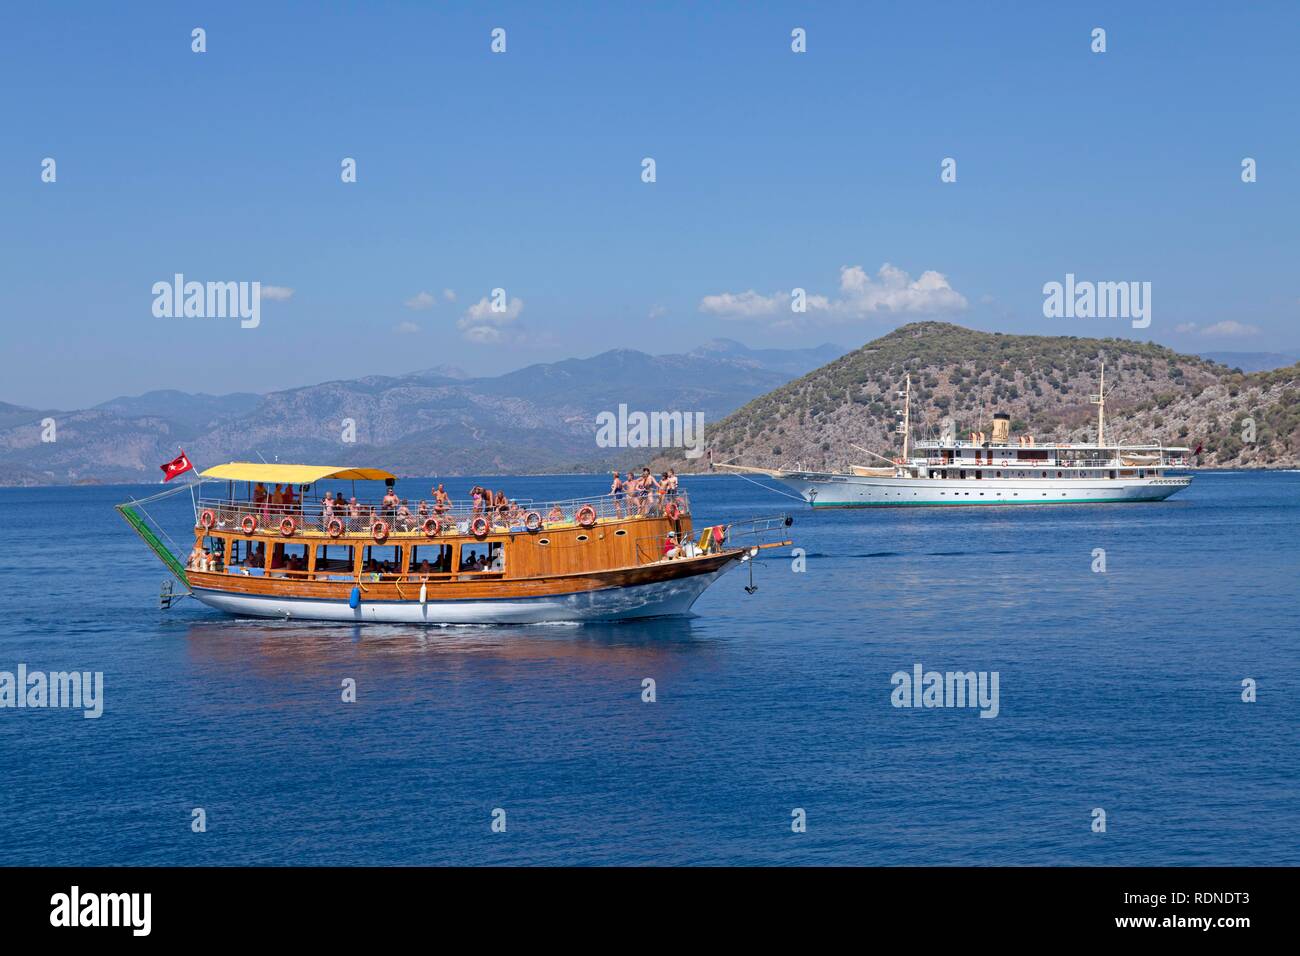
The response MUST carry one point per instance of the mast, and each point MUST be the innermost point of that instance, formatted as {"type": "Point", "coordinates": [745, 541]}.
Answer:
{"type": "Point", "coordinates": [1100, 401]}
{"type": "Point", "coordinates": [907, 416]}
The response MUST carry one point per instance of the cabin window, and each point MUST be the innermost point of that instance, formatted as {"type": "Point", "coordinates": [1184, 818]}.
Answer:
{"type": "Point", "coordinates": [1058, 474]}
{"type": "Point", "coordinates": [620, 532]}
{"type": "Point", "coordinates": [288, 558]}
{"type": "Point", "coordinates": [582, 537]}
{"type": "Point", "coordinates": [491, 558]}
{"type": "Point", "coordinates": [246, 556]}
{"type": "Point", "coordinates": [1044, 474]}
{"type": "Point", "coordinates": [208, 555]}
{"type": "Point", "coordinates": [998, 475]}
{"type": "Point", "coordinates": [216, 549]}
{"type": "Point", "coordinates": [334, 562]}
{"type": "Point", "coordinates": [431, 559]}
{"type": "Point", "coordinates": [381, 559]}
{"type": "Point", "coordinates": [546, 541]}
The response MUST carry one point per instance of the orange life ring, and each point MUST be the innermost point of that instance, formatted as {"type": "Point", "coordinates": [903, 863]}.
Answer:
{"type": "Point", "coordinates": [379, 531]}
{"type": "Point", "coordinates": [248, 524]}
{"type": "Point", "coordinates": [432, 526]}
{"type": "Point", "coordinates": [586, 516]}
{"type": "Point", "coordinates": [288, 526]}
{"type": "Point", "coordinates": [672, 511]}
{"type": "Point", "coordinates": [533, 521]}
{"type": "Point", "coordinates": [479, 526]}
{"type": "Point", "coordinates": [207, 519]}
{"type": "Point", "coordinates": [334, 528]}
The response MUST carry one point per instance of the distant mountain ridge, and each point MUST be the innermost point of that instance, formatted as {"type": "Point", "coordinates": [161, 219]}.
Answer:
{"type": "Point", "coordinates": [1243, 419]}
{"type": "Point", "coordinates": [436, 421]}
{"type": "Point", "coordinates": [193, 410]}
{"type": "Point", "coordinates": [1251, 361]}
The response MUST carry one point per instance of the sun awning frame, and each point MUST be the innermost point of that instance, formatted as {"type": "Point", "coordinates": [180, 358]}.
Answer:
{"type": "Point", "coordinates": [292, 474]}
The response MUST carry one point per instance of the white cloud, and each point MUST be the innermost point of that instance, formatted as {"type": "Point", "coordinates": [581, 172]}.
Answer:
{"type": "Point", "coordinates": [744, 305]}
{"type": "Point", "coordinates": [421, 300]}
{"type": "Point", "coordinates": [657, 312]}
{"type": "Point", "coordinates": [481, 325]}
{"type": "Point", "coordinates": [891, 290]}
{"type": "Point", "coordinates": [276, 293]}
{"type": "Point", "coordinates": [1226, 329]}
{"type": "Point", "coordinates": [1229, 329]}
{"type": "Point", "coordinates": [406, 328]}
{"type": "Point", "coordinates": [449, 295]}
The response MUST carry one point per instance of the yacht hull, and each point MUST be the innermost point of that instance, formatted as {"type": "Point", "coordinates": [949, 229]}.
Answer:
{"type": "Point", "coordinates": [827, 490]}
{"type": "Point", "coordinates": [662, 598]}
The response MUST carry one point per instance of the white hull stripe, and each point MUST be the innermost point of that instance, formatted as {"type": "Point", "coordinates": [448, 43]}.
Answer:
{"type": "Point", "coordinates": [843, 491]}
{"type": "Point", "coordinates": [665, 598]}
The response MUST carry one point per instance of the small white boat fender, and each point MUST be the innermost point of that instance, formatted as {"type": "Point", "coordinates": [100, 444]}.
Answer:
{"type": "Point", "coordinates": [424, 594]}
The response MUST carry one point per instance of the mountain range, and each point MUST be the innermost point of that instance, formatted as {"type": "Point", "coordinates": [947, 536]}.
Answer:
{"type": "Point", "coordinates": [1242, 419]}
{"type": "Point", "coordinates": [439, 421]}
{"type": "Point", "coordinates": [1251, 361]}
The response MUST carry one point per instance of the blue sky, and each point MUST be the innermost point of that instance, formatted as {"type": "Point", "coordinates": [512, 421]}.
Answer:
{"type": "Point", "coordinates": [522, 171]}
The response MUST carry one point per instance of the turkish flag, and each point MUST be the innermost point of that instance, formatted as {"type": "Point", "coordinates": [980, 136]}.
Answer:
{"type": "Point", "coordinates": [177, 466]}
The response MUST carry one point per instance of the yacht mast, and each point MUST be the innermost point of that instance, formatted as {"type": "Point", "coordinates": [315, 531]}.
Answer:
{"type": "Point", "coordinates": [907, 416]}
{"type": "Point", "coordinates": [1100, 401]}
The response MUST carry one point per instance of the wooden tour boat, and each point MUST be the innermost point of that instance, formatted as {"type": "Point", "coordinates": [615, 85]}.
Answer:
{"type": "Point", "coordinates": [592, 559]}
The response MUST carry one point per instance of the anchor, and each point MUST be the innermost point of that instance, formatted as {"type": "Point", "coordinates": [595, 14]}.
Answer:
{"type": "Point", "coordinates": [751, 587]}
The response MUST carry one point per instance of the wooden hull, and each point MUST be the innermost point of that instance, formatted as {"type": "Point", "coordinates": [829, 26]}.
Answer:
{"type": "Point", "coordinates": [665, 588]}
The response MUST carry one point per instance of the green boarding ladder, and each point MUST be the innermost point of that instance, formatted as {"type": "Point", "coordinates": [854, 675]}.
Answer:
{"type": "Point", "coordinates": [145, 532]}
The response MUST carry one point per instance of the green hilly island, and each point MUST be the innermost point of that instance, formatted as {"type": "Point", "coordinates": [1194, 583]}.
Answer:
{"type": "Point", "coordinates": [1043, 382]}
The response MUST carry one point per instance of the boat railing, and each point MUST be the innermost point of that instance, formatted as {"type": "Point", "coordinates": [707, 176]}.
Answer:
{"type": "Point", "coordinates": [652, 549]}
{"type": "Point", "coordinates": [224, 515]}
{"type": "Point", "coordinates": [1048, 463]}
{"type": "Point", "coordinates": [703, 541]}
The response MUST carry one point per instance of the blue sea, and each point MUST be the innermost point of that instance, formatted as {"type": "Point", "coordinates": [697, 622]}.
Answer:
{"type": "Point", "coordinates": [1118, 690]}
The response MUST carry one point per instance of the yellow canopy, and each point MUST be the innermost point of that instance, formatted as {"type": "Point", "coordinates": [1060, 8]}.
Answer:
{"type": "Point", "coordinates": [292, 474]}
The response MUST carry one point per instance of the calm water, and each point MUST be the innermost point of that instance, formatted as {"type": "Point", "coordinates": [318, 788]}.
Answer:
{"type": "Point", "coordinates": [1118, 690]}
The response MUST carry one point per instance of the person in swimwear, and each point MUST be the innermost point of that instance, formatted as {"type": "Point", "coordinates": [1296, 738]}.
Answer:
{"type": "Point", "coordinates": [390, 503]}
{"type": "Point", "coordinates": [651, 487]}
{"type": "Point", "coordinates": [616, 489]}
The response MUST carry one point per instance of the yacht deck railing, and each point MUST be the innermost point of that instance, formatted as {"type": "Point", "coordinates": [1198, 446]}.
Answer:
{"type": "Point", "coordinates": [524, 514]}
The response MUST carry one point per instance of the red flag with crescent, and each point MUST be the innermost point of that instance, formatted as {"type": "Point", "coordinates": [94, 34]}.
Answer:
{"type": "Point", "coordinates": [177, 466]}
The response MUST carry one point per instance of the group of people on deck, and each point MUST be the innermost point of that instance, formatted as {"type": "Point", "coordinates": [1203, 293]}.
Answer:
{"type": "Point", "coordinates": [203, 559]}
{"type": "Point", "coordinates": [281, 500]}
{"type": "Point", "coordinates": [712, 539]}
{"type": "Point", "coordinates": [633, 495]}
{"type": "Point", "coordinates": [644, 493]}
